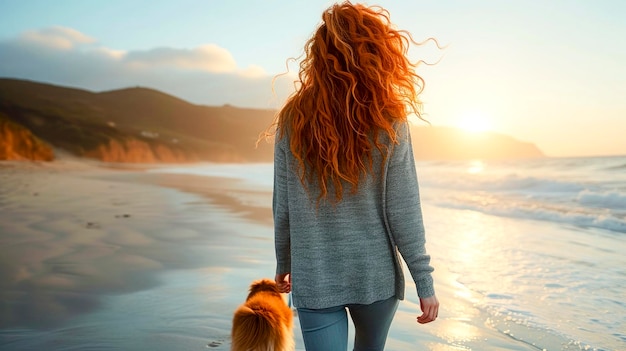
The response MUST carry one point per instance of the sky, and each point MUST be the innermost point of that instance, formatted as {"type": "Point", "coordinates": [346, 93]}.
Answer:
{"type": "Point", "coordinates": [548, 72]}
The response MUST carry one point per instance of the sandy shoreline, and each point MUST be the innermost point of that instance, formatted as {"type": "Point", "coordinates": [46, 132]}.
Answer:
{"type": "Point", "coordinates": [72, 235]}
{"type": "Point", "coordinates": [84, 246]}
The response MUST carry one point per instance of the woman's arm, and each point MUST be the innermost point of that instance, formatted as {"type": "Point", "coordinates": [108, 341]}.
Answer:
{"type": "Point", "coordinates": [280, 207]}
{"type": "Point", "coordinates": [404, 213]}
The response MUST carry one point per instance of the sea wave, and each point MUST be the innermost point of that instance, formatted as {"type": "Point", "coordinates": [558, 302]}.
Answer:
{"type": "Point", "coordinates": [578, 217]}
{"type": "Point", "coordinates": [616, 167]}
{"type": "Point", "coordinates": [609, 199]}
{"type": "Point", "coordinates": [578, 192]}
{"type": "Point", "coordinates": [256, 174]}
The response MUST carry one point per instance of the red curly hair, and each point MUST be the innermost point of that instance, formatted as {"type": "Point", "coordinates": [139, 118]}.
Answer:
{"type": "Point", "coordinates": [354, 82]}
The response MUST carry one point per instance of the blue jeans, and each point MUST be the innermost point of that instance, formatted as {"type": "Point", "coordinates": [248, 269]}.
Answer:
{"type": "Point", "coordinates": [327, 329]}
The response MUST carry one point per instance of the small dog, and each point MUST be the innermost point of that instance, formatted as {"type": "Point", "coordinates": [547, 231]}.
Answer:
{"type": "Point", "coordinates": [264, 322]}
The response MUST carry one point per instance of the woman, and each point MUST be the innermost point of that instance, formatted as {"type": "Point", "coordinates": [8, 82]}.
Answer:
{"type": "Point", "coordinates": [346, 197]}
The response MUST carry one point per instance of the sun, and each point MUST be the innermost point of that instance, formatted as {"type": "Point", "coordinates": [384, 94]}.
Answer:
{"type": "Point", "coordinates": [474, 122]}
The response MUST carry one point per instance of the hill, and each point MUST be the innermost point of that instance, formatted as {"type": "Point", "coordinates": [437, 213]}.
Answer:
{"type": "Point", "coordinates": [145, 125]}
{"type": "Point", "coordinates": [134, 125]}
{"type": "Point", "coordinates": [445, 143]}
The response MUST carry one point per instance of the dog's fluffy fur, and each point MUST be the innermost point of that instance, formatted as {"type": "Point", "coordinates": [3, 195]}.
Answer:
{"type": "Point", "coordinates": [264, 322]}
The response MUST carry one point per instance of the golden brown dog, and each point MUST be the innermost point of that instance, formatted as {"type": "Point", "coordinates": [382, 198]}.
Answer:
{"type": "Point", "coordinates": [264, 322]}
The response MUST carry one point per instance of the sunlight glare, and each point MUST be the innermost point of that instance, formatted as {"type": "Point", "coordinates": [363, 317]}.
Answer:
{"type": "Point", "coordinates": [476, 166]}
{"type": "Point", "coordinates": [474, 122]}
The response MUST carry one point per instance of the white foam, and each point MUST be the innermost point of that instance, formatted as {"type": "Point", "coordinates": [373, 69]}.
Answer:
{"type": "Point", "coordinates": [608, 199]}
{"type": "Point", "coordinates": [257, 174]}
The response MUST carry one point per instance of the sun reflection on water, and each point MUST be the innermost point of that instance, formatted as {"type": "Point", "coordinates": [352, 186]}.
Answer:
{"type": "Point", "coordinates": [459, 332]}
{"type": "Point", "coordinates": [476, 166]}
{"type": "Point", "coordinates": [473, 254]}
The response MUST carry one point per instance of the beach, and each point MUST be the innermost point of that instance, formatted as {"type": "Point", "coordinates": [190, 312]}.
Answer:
{"type": "Point", "coordinates": [119, 257]}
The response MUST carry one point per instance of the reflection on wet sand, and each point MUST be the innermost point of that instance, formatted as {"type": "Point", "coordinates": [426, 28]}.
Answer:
{"type": "Point", "coordinates": [69, 237]}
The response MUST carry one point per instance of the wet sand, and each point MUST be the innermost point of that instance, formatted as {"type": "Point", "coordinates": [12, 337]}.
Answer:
{"type": "Point", "coordinates": [79, 239]}
{"type": "Point", "coordinates": [68, 237]}
{"type": "Point", "coordinates": [102, 258]}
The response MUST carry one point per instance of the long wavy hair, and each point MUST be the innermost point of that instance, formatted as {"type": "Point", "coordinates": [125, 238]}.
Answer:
{"type": "Point", "coordinates": [355, 80]}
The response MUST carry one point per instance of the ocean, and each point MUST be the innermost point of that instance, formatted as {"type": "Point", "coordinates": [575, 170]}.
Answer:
{"type": "Point", "coordinates": [536, 246]}
{"type": "Point", "coordinates": [546, 245]}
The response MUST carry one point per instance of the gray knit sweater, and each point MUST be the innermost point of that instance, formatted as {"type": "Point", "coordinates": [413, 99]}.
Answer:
{"type": "Point", "coordinates": [347, 253]}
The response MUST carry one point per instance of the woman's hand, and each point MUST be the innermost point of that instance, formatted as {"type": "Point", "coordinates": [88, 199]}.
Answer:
{"type": "Point", "coordinates": [283, 281]}
{"type": "Point", "coordinates": [430, 309]}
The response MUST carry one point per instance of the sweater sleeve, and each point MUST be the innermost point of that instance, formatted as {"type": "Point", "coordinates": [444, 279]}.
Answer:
{"type": "Point", "coordinates": [404, 212]}
{"type": "Point", "coordinates": [280, 208]}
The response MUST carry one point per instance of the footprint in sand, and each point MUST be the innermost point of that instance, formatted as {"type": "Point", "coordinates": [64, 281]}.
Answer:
{"type": "Point", "coordinates": [216, 343]}
{"type": "Point", "coordinates": [92, 225]}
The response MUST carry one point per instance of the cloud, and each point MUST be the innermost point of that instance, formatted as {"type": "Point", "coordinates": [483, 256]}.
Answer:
{"type": "Point", "coordinates": [207, 74]}
{"type": "Point", "coordinates": [111, 53]}
{"type": "Point", "coordinates": [56, 37]}
{"type": "Point", "coordinates": [209, 58]}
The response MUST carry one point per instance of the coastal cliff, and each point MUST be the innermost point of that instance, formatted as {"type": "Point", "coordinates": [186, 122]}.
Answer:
{"type": "Point", "coordinates": [18, 143]}
{"type": "Point", "coordinates": [136, 151]}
